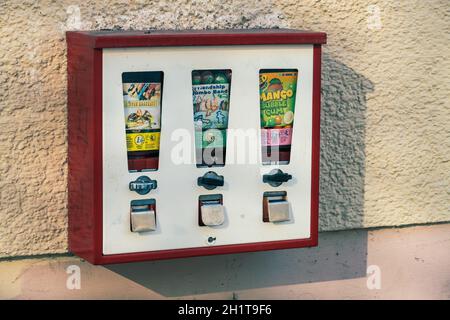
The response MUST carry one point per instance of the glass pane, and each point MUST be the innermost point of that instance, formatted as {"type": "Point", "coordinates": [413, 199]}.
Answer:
{"type": "Point", "coordinates": [142, 94]}
{"type": "Point", "coordinates": [277, 89]}
{"type": "Point", "coordinates": [211, 101]}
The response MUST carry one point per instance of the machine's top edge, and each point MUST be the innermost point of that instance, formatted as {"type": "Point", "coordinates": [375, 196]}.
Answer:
{"type": "Point", "coordinates": [144, 38]}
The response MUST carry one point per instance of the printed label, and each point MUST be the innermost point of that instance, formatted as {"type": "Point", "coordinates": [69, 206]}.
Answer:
{"type": "Point", "coordinates": [211, 105]}
{"type": "Point", "coordinates": [276, 137]}
{"type": "Point", "coordinates": [277, 98]}
{"type": "Point", "coordinates": [213, 138]}
{"type": "Point", "coordinates": [142, 106]}
{"type": "Point", "coordinates": [211, 98]}
{"type": "Point", "coordinates": [143, 141]}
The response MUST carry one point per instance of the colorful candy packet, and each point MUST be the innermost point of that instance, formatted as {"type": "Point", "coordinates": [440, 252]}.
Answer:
{"type": "Point", "coordinates": [277, 88]}
{"type": "Point", "coordinates": [142, 94]}
{"type": "Point", "coordinates": [211, 100]}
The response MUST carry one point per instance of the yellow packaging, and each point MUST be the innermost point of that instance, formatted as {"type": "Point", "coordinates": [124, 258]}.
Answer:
{"type": "Point", "coordinates": [277, 97]}
{"type": "Point", "coordinates": [143, 141]}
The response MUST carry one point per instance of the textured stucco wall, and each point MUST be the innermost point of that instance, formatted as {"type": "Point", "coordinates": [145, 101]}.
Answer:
{"type": "Point", "coordinates": [385, 121]}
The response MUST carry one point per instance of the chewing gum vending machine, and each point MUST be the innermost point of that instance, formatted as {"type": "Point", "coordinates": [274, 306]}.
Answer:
{"type": "Point", "coordinates": [192, 143]}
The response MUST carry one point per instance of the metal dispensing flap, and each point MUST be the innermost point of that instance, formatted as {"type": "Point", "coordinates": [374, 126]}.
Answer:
{"type": "Point", "coordinates": [143, 215]}
{"type": "Point", "coordinates": [278, 211]}
{"type": "Point", "coordinates": [212, 210]}
{"type": "Point", "coordinates": [277, 206]}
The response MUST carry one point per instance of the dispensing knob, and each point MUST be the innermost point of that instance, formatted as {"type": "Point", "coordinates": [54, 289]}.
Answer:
{"type": "Point", "coordinates": [143, 185]}
{"type": "Point", "coordinates": [276, 177]}
{"type": "Point", "coordinates": [210, 180]}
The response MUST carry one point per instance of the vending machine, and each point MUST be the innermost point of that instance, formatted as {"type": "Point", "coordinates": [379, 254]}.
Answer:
{"type": "Point", "coordinates": [189, 143]}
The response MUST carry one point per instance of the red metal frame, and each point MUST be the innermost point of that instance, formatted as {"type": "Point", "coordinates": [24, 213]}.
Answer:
{"type": "Point", "coordinates": [84, 66]}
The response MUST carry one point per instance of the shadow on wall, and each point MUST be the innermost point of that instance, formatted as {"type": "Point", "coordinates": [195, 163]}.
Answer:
{"type": "Point", "coordinates": [342, 146]}
{"type": "Point", "coordinates": [340, 255]}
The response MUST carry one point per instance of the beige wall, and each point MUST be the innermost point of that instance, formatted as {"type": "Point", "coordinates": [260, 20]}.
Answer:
{"type": "Point", "coordinates": [385, 113]}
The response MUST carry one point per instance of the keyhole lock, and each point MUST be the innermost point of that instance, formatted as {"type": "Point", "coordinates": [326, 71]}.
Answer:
{"type": "Point", "coordinates": [211, 240]}
{"type": "Point", "coordinates": [143, 185]}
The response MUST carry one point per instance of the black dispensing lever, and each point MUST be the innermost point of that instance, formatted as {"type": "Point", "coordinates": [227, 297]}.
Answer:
{"type": "Point", "coordinates": [143, 185]}
{"type": "Point", "coordinates": [276, 177]}
{"type": "Point", "coordinates": [210, 180]}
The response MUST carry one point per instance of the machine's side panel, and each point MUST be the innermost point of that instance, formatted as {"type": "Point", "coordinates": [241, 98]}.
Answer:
{"type": "Point", "coordinates": [83, 64]}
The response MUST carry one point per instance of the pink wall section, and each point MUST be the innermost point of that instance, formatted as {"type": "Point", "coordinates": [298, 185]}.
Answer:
{"type": "Point", "coordinates": [404, 263]}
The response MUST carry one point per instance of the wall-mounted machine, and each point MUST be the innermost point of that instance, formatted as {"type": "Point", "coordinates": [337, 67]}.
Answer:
{"type": "Point", "coordinates": [192, 143]}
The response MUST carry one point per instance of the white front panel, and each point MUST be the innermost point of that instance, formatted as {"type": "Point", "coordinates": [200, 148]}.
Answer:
{"type": "Point", "coordinates": [177, 193]}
